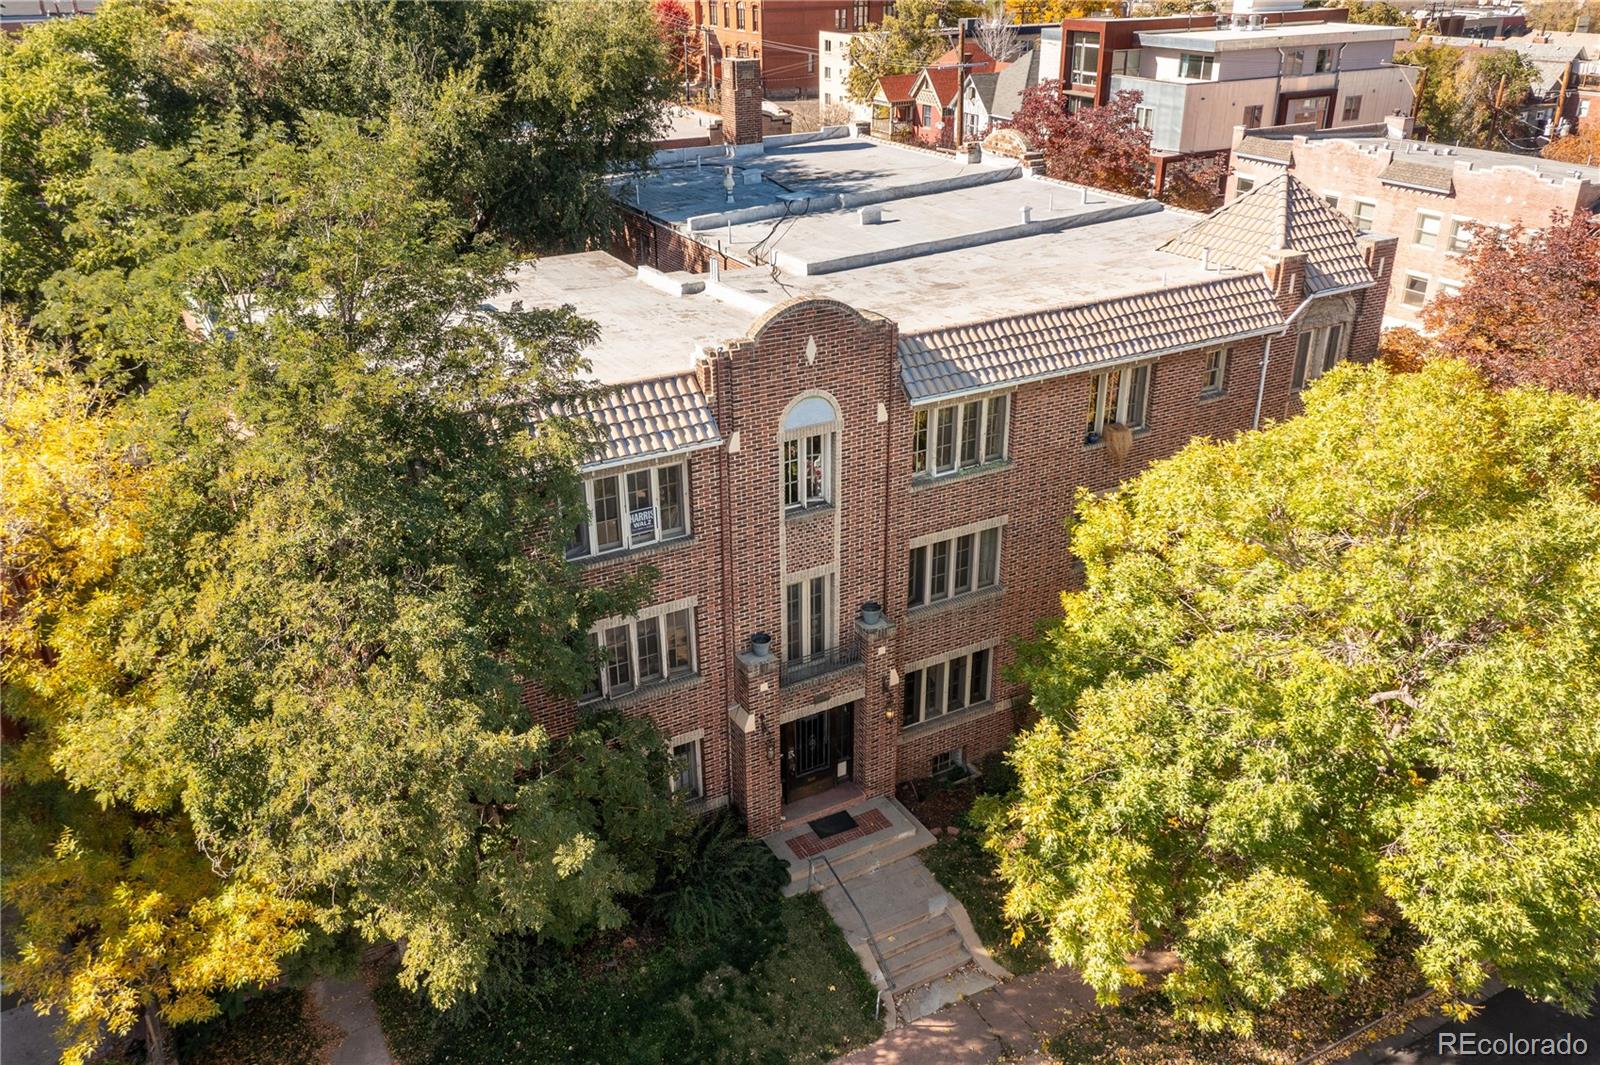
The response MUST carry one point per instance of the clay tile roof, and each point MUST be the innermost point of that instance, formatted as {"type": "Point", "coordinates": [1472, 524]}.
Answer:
{"type": "Point", "coordinates": [1418, 176]}
{"type": "Point", "coordinates": [896, 88]}
{"type": "Point", "coordinates": [1283, 213]}
{"type": "Point", "coordinates": [1266, 150]}
{"type": "Point", "coordinates": [1068, 339]}
{"type": "Point", "coordinates": [652, 417]}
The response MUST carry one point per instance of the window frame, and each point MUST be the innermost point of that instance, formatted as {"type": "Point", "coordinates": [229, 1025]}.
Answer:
{"type": "Point", "coordinates": [805, 628]}
{"type": "Point", "coordinates": [659, 618]}
{"type": "Point", "coordinates": [588, 546]}
{"type": "Point", "coordinates": [1419, 230]}
{"type": "Point", "coordinates": [1406, 291]}
{"type": "Point", "coordinates": [1187, 60]}
{"type": "Point", "coordinates": [934, 563]}
{"type": "Point", "coordinates": [1243, 183]}
{"type": "Point", "coordinates": [927, 695]}
{"type": "Point", "coordinates": [1460, 227]}
{"type": "Point", "coordinates": [1216, 370]}
{"type": "Point", "coordinates": [1106, 407]}
{"type": "Point", "coordinates": [696, 791]}
{"type": "Point", "coordinates": [794, 471]}
{"type": "Point", "coordinates": [1359, 207]}
{"type": "Point", "coordinates": [928, 443]}
{"type": "Point", "coordinates": [1348, 113]}
{"type": "Point", "coordinates": [1254, 114]}
{"type": "Point", "coordinates": [1331, 343]}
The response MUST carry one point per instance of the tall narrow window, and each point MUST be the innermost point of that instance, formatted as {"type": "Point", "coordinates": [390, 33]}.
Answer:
{"type": "Point", "coordinates": [680, 642]}
{"type": "Point", "coordinates": [593, 686]}
{"type": "Point", "coordinates": [963, 570]}
{"type": "Point", "coordinates": [791, 473]}
{"type": "Point", "coordinates": [670, 496]}
{"type": "Point", "coordinates": [819, 615]}
{"type": "Point", "coordinates": [939, 576]}
{"type": "Point", "coordinates": [994, 433]}
{"type": "Point", "coordinates": [945, 454]}
{"type": "Point", "coordinates": [1302, 356]}
{"type": "Point", "coordinates": [988, 558]}
{"type": "Point", "coordinates": [919, 441]}
{"type": "Point", "coordinates": [1330, 350]}
{"type": "Point", "coordinates": [686, 770]}
{"type": "Point", "coordinates": [916, 585]}
{"type": "Point", "coordinates": [1135, 413]}
{"type": "Point", "coordinates": [980, 677]}
{"type": "Point", "coordinates": [607, 514]}
{"type": "Point", "coordinates": [912, 712]}
{"type": "Point", "coordinates": [809, 435]}
{"type": "Point", "coordinates": [1216, 372]}
{"type": "Point", "coordinates": [958, 685]}
{"type": "Point", "coordinates": [619, 665]}
{"type": "Point", "coordinates": [933, 690]}
{"type": "Point", "coordinates": [649, 648]}
{"type": "Point", "coordinates": [816, 469]}
{"type": "Point", "coordinates": [641, 508]}
{"type": "Point", "coordinates": [971, 414]}
{"type": "Point", "coordinates": [794, 609]}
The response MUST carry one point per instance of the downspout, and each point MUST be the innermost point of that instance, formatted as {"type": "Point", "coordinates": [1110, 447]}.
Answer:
{"type": "Point", "coordinates": [1338, 68]}
{"type": "Point", "coordinates": [1266, 357]}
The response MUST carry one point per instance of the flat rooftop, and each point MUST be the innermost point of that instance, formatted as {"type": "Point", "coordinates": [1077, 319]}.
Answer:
{"type": "Point", "coordinates": [1294, 34]}
{"type": "Point", "coordinates": [1435, 154]}
{"type": "Point", "coordinates": [918, 238]}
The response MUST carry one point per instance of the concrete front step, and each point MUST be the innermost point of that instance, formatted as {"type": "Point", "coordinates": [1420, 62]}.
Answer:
{"type": "Point", "coordinates": [901, 942]}
{"type": "Point", "coordinates": [854, 858]}
{"type": "Point", "coordinates": [948, 959]}
{"type": "Point", "coordinates": [902, 968]}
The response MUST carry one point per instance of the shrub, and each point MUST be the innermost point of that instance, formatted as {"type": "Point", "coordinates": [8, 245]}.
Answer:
{"type": "Point", "coordinates": [719, 887]}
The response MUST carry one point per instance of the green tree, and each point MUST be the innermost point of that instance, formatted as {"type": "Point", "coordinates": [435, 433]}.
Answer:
{"type": "Point", "coordinates": [906, 41]}
{"type": "Point", "coordinates": [121, 921]}
{"type": "Point", "coordinates": [1471, 99]}
{"type": "Point", "coordinates": [355, 559]}
{"type": "Point", "coordinates": [1376, 13]}
{"type": "Point", "coordinates": [1342, 667]}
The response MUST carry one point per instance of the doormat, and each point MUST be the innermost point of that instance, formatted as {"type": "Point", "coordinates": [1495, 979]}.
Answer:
{"type": "Point", "coordinates": [832, 825]}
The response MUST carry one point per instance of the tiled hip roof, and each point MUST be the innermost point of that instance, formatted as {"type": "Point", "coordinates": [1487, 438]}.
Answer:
{"type": "Point", "coordinates": [964, 358]}
{"type": "Point", "coordinates": [657, 416]}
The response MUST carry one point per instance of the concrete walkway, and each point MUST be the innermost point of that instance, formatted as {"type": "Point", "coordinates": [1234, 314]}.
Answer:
{"type": "Point", "coordinates": [1005, 1021]}
{"type": "Point", "coordinates": [347, 1006]}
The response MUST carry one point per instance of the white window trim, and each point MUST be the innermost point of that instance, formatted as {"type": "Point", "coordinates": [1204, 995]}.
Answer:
{"type": "Point", "coordinates": [1225, 356]}
{"type": "Point", "coordinates": [1417, 231]}
{"type": "Point", "coordinates": [1356, 204]}
{"type": "Point", "coordinates": [698, 738]}
{"type": "Point", "coordinates": [1405, 288]}
{"type": "Point", "coordinates": [1447, 287]}
{"type": "Point", "coordinates": [1332, 199]}
{"type": "Point", "coordinates": [926, 716]}
{"type": "Point", "coordinates": [1207, 62]}
{"type": "Point", "coordinates": [1456, 225]}
{"type": "Point", "coordinates": [829, 432]}
{"type": "Point", "coordinates": [830, 609]}
{"type": "Point", "coordinates": [1101, 383]}
{"type": "Point", "coordinates": [930, 446]}
{"type": "Point", "coordinates": [659, 612]}
{"type": "Point", "coordinates": [975, 530]}
{"type": "Point", "coordinates": [621, 475]}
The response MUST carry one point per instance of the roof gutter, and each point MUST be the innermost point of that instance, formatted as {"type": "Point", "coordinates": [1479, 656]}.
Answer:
{"type": "Point", "coordinates": [648, 456]}
{"type": "Point", "coordinates": [1266, 352]}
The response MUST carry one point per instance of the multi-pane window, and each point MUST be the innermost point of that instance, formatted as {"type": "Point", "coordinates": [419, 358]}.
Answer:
{"type": "Point", "coordinates": [952, 565]}
{"type": "Point", "coordinates": [632, 509]}
{"type": "Point", "coordinates": [738, 14]}
{"type": "Point", "coordinates": [808, 606]}
{"type": "Point", "coordinates": [840, 15]}
{"type": "Point", "coordinates": [1121, 396]}
{"type": "Point", "coordinates": [656, 645]}
{"type": "Point", "coordinates": [1144, 116]}
{"type": "Point", "coordinates": [958, 436]}
{"type": "Point", "coordinates": [1460, 235]}
{"type": "Point", "coordinates": [1316, 352]}
{"type": "Point", "coordinates": [1362, 213]}
{"type": "Point", "coordinates": [713, 9]}
{"type": "Point", "coordinates": [755, 16]}
{"type": "Point", "coordinates": [1449, 288]}
{"type": "Point", "coordinates": [1426, 233]}
{"type": "Point", "coordinates": [1294, 63]}
{"type": "Point", "coordinates": [1216, 372]}
{"type": "Point", "coordinates": [807, 460]}
{"type": "Point", "coordinates": [944, 687]}
{"type": "Point", "coordinates": [861, 14]}
{"type": "Point", "coordinates": [1352, 109]}
{"type": "Point", "coordinates": [1324, 62]}
{"type": "Point", "coordinates": [1252, 116]}
{"type": "Point", "coordinates": [1415, 293]}
{"type": "Point", "coordinates": [686, 776]}
{"type": "Point", "coordinates": [1194, 65]}
{"type": "Point", "coordinates": [1085, 58]}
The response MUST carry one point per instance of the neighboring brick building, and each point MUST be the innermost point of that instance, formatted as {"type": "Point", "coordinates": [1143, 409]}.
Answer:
{"type": "Point", "coordinates": [864, 440]}
{"type": "Point", "coordinates": [1431, 196]}
{"type": "Point", "coordinates": [779, 34]}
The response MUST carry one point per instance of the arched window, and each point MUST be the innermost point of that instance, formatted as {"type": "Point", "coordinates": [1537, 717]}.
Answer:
{"type": "Point", "coordinates": [809, 439]}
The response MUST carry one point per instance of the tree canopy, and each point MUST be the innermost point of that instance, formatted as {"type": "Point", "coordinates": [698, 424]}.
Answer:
{"type": "Point", "coordinates": [1101, 146]}
{"type": "Point", "coordinates": [907, 40]}
{"type": "Point", "coordinates": [1472, 98]}
{"type": "Point", "coordinates": [1529, 310]}
{"type": "Point", "coordinates": [1344, 667]}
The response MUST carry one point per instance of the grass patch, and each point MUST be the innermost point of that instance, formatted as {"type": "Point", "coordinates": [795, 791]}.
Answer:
{"type": "Point", "coordinates": [807, 1000]}
{"type": "Point", "coordinates": [277, 1028]}
{"type": "Point", "coordinates": [967, 871]}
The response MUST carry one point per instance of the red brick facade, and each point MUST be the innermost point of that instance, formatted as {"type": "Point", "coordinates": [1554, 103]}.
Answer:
{"type": "Point", "coordinates": [743, 545]}
{"type": "Point", "coordinates": [642, 241]}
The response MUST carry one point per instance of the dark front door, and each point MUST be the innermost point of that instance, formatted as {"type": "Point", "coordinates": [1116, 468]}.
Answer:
{"type": "Point", "coordinates": [814, 749]}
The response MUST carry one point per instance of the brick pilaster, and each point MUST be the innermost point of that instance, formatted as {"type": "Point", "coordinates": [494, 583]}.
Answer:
{"type": "Point", "coordinates": [753, 732]}
{"type": "Point", "coordinates": [878, 716]}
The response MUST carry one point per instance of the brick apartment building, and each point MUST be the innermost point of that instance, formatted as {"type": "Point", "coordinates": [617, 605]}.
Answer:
{"type": "Point", "coordinates": [856, 393]}
{"type": "Point", "coordinates": [781, 35]}
{"type": "Point", "coordinates": [1433, 197]}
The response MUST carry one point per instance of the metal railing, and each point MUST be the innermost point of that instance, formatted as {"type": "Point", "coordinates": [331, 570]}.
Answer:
{"type": "Point", "coordinates": [872, 941]}
{"type": "Point", "coordinates": [846, 653]}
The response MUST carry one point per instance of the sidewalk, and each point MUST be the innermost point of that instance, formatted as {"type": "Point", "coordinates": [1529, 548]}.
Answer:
{"type": "Point", "coordinates": [1009, 1020]}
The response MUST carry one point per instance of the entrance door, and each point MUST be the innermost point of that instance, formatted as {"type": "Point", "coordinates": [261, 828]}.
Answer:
{"type": "Point", "coordinates": [817, 751]}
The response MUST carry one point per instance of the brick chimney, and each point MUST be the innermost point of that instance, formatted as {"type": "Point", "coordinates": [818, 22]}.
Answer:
{"type": "Point", "coordinates": [741, 100]}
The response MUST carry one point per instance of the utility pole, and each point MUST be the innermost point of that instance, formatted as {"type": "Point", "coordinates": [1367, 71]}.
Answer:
{"type": "Point", "coordinates": [961, 80]}
{"type": "Point", "coordinates": [1494, 118]}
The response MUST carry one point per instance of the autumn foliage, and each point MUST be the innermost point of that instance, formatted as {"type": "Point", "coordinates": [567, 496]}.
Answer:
{"type": "Point", "coordinates": [1529, 312]}
{"type": "Point", "coordinates": [1100, 146]}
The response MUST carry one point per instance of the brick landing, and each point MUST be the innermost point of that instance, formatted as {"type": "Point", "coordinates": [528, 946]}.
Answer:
{"type": "Point", "coordinates": [809, 844]}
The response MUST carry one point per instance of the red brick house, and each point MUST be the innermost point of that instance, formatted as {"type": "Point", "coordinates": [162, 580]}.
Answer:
{"type": "Point", "coordinates": [781, 35]}
{"type": "Point", "coordinates": [849, 438]}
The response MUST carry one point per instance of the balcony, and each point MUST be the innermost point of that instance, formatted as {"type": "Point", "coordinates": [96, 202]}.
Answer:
{"type": "Point", "coordinates": [846, 654]}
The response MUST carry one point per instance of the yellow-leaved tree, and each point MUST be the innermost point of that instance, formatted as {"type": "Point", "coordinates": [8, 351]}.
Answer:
{"type": "Point", "coordinates": [123, 922]}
